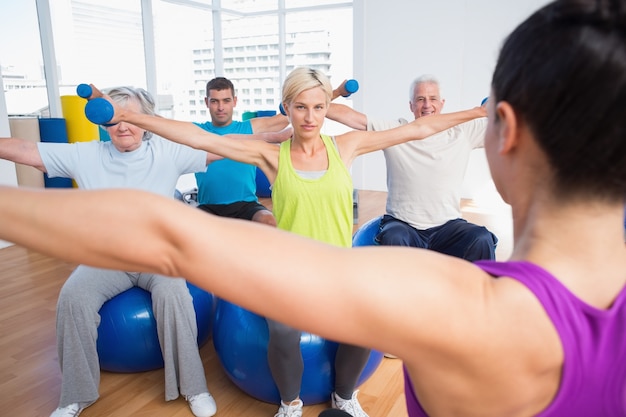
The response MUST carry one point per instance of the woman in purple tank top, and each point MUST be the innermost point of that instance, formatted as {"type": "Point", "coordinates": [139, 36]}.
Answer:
{"type": "Point", "coordinates": [543, 334]}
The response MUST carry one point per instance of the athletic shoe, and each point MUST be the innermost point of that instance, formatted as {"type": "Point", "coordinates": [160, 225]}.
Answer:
{"type": "Point", "coordinates": [202, 405]}
{"type": "Point", "coordinates": [293, 409]}
{"type": "Point", "coordinates": [72, 410]}
{"type": "Point", "coordinates": [350, 406]}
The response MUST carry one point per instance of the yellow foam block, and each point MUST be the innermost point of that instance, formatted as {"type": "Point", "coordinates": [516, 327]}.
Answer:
{"type": "Point", "coordinates": [79, 128]}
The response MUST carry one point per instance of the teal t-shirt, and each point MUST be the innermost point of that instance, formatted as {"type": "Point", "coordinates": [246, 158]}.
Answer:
{"type": "Point", "coordinates": [226, 181]}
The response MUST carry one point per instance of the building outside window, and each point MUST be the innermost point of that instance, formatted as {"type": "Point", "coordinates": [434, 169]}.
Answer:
{"type": "Point", "coordinates": [103, 42]}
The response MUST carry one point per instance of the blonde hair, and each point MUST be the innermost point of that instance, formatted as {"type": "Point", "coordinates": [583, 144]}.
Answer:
{"type": "Point", "coordinates": [302, 79]}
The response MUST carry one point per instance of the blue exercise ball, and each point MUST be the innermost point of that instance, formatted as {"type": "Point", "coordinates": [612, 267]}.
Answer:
{"type": "Point", "coordinates": [127, 335]}
{"type": "Point", "coordinates": [241, 337]}
{"type": "Point", "coordinates": [262, 185]}
{"type": "Point", "coordinates": [365, 234]}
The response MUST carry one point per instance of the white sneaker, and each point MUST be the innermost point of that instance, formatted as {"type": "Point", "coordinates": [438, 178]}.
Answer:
{"type": "Point", "coordinates": [72, 410]}
{"type": "Point", "coordinates": [293, 409]}
{"type": "Point", "coordinates": [202, 405]}
{"type": "Point", "coordinates": [350, 406]}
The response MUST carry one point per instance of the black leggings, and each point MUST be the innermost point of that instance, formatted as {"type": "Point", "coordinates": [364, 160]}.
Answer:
{"type": "Point", "coordinates": [287, 366]}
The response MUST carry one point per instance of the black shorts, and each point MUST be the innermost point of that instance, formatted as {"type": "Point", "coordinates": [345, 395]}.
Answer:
{"type": "Point", "coordinates": [238, 210]}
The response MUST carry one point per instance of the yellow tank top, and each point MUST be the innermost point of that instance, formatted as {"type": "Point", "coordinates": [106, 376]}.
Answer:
{"type": "Point", "coordinates": [317, 208]}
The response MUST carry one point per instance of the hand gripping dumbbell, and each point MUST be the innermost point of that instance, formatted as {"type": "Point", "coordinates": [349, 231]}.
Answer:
{"type": "Point", "coordinates": [98, 110]}
{"type": "Point", "coordinates": [346, 89]}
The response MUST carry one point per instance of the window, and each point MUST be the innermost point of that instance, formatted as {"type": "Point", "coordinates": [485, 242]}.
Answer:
{"type": "Point", "coordinates": [186, 52]}
{"type": "Point", "coordinates": [181, 33]}
{"type": "Point", "coordinates": [307, 3]}
{"type": "Point", "coordinates": [84, 30]}
{"type": "Point", "coordinates": [250, 6]}
{"type": "Point", "coordinates": [21, 59]}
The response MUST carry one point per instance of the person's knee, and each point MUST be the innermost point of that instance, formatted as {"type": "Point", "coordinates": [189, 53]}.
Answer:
{"type": "Point", "coordinates": [397, 235]}
{"type": "Point", "coordinates": [394, 239]}
{"type": "Point", "coordinates": [482, 247]}
{"type": "Point", "coordinates": [170, 289]}
{"type": "Point", "coordinates": [265, 217]}
{"type": "Point", "coordinates": [69, 299]}
{"type": "Point", "coordinates": [75, 296]}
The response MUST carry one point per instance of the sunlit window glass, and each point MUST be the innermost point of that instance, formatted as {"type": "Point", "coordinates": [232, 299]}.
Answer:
{"type": "Point", "coordinates": [185, 59]}
{"type": "Point", "coordinates": [99, 41]}
{"type": "Point", "coordinates": [21, 60]}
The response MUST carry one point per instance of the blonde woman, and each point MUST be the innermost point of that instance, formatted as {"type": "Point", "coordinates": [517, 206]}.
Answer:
{"type": "Point", "coordinates": [312, 197]}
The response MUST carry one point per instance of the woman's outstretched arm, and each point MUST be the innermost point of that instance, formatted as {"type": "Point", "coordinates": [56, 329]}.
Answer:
{"type": "Point", "coordinates": [254, 150]}
{"type": "Point", "coordinates": [356, 143]}
{"type": "Point", "coordinates": [272, 272]}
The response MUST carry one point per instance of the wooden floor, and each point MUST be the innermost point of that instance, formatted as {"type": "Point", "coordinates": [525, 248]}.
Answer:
{"type": "Point", "coordinates": [29, 372]}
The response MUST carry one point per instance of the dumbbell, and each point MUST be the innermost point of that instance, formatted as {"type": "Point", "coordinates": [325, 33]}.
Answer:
{"type": "Point", "coordinates": [346, 89]}
{"type": "Point", "coordinates": [484, 101]}
{"type": "Point", "coordinates": [351, 87]}
{"type": "Point", "coordinates": [98, 110]}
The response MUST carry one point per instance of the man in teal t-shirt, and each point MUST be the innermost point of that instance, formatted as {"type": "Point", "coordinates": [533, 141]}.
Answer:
{"type": "Point", "coordinates": [228, 188]}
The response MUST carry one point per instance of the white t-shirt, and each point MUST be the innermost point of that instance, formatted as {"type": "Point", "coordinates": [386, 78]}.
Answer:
{"type": "Point", "coordinates": [424, 177]}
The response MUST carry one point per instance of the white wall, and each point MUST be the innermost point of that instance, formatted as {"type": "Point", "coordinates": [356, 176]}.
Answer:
{"type": "Point", "coordinates": [8, 175]}
{"type": "Point", "coordinates": [456, 40]}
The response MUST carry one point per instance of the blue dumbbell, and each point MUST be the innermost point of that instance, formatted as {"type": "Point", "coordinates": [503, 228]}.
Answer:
{"type": "Point", "coordinates": [282, 109]}
{"type": "Point", "coordinates": [351, 87]}
{"type": "Point", "coordinates": [484, 101]}
{"type": "Point", "coordinates": [346, 89]}
{"type": "Point", "coordinates": [98, 110]}
{"type": "Point", "coordinates": [84, 90]}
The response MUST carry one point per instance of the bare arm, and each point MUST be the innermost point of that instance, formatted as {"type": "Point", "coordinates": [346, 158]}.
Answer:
{"type": "Point", "coordinates": [164, 239]}
{"type": "Point", "coordinates": [456, 329]}
{"type": "Point", "coordinates": [355, 143]}
{"type": "Point", "coordinates": [21, 151]}
{"type": "Point", "coordinates": [269, 124]}
{"type": "Point", "coordinates": [347, 116]}
{"type": "Point", "coordinates": [270, 137]}
{"type": "Point", "coordinates": [244, 149]}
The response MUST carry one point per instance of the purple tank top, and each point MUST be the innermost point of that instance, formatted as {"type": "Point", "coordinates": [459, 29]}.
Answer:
{"type": "Point", "coordinates": [593, 383]}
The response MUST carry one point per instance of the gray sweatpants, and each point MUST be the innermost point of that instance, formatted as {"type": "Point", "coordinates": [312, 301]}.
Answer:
{"type": "Point", "coordinates": [81, 297]}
